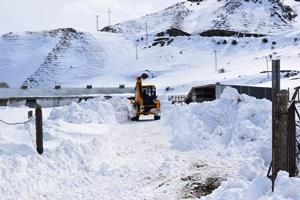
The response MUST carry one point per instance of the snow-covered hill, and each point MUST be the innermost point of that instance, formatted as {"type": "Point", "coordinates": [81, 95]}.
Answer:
{"type": "Point", "coordinates": [254, 16]}
{"type": "Point", "coordinates": [62, 56]}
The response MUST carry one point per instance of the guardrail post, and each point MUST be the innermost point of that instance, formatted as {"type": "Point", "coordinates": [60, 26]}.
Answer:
{"type": "Point", "coordinates": [39, 129]}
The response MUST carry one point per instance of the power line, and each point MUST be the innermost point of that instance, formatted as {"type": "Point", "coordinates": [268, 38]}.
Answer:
{"type": "Point", "coordinates": [17, 123]}
{"type": "Point", "coordinates": [136, 50]}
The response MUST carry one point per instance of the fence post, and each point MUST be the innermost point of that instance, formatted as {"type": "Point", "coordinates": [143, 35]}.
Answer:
{"type": "Point", "coordinates": [39, 129]}
{"type": "Point", "coordinates": [280, 140]}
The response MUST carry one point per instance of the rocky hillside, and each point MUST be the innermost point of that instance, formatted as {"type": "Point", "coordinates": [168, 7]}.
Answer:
{"type": "Point", "coordinates": [40, 59]}
{"type": "Point", "coordinates": [63, 56]}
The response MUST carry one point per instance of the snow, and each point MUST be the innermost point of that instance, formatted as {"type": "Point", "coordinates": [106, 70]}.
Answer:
{"type": "Point", "coordinates": [88, 112]}
{"type": "Point", "coordinates": [92, 152]}
{"type": "Point", "coordinates": [21, 55]}
{"type": "Point", "coordinates": [193, 17]}
{"type": "Point", "coordinates": [109, 160]}
{"type": "Point", "coordinates": [235, 123]}
{"type": "Point", "coordinates": [286, 188]}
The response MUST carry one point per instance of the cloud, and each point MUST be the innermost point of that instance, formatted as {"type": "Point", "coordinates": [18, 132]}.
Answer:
{"type": "Point", "coordinates": [36, 15]}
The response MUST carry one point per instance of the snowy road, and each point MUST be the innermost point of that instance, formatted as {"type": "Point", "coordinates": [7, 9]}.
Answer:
{"type": "Point", "coordinates": [126, 160]}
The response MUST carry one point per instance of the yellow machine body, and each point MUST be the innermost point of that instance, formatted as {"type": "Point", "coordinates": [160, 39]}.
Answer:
{"type": "Point", "coordinates": [145, 101]}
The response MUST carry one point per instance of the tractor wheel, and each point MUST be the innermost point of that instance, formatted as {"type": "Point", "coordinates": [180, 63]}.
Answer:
{"type": "Point", "coordinates": [136, 118]}
{"type": "Point", "coordinates": [156, 117]}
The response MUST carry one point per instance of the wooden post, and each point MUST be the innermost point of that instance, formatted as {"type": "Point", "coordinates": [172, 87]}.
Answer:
{"type": "Point", "coordinates": [280, 133]}
{"type": "Point", "coordinates": [39, 129]}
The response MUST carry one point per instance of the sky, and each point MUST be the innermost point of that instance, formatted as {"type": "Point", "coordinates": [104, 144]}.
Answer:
{"type": "Point", "coordinates": [37, 15]}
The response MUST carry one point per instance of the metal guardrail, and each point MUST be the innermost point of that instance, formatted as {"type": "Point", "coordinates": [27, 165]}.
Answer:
{"type": "Point", "coordinates": [180, 98]}
{"type": "Point", "coordinates": [257, 92]}
{"type": "Point", "coordinates": [296, 96]}
{"type": "Point", "coordinates": [55, 97]}
{"type": "Point", "coordinates": [6, 93]}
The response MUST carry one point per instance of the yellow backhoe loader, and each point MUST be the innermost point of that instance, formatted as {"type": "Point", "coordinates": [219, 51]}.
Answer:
{"type": "Point", "coordinates": [145, 101]}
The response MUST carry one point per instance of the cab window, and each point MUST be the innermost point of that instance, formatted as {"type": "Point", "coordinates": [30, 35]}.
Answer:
{"type": "Point", "coordinates": [150, 91]}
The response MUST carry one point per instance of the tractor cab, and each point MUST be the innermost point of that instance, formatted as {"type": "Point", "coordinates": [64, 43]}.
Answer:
{"type": "Point", "coordinates": [149, 94]}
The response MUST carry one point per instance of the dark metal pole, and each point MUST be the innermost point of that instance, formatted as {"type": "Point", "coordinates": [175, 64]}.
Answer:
{"type": "Point", "coordinates": [291, 143]}
{"type": "Point", "coordinates": [275, 90]}
{"type": "Point", "coordinates": [39, 129]}
{"type": "Point", "coordinates": [275, 77]}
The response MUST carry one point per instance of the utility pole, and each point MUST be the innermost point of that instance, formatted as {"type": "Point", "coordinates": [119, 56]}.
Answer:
{"type": "Point", "coordinates": [136, 50]}
{"type": "Point", "coordinates": [267, 63]}
{"type": "Point", "coordinates": [97, 22]}
{"type": "Point", "coordinates": [109, 13]}
{"type": "Point", "coordinates": [268, 58]}
{"type": "Point", "coordinates": [216, 61]}
{"type": "Point", "coordinates": [147, 34]}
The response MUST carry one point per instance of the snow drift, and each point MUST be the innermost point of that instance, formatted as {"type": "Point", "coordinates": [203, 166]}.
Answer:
{"type": "Point", "coordinates": [93, 111]}
{"type": "Point", "coordinates": [236, 128]}
{"type": "Point", "coordinates": [234, 121]}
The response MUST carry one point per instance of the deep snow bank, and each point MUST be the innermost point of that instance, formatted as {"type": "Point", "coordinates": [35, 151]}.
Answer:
{"type": "Point", "coordinates": [74, 163]}
{"type": "Point", "coordinates": [234, 121]}
{"type": "Point", "coordinates": [237, 128]}
{"type": "Point", "coordinates": [55, 174]}
{"type": "Point", "coordinates": [96, 110]}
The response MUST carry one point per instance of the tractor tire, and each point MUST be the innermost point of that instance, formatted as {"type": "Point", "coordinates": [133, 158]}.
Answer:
{"type": "Point", "coordinates": [136, 118]}
{"type": "Point", "coordinates": [156, 117]}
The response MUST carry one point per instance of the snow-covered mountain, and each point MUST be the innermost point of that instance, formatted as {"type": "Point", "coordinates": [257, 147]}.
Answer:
{"type": "Point", "coordinates": [62, 56]}
{"type": "Point", "coordinates": [196, 16]}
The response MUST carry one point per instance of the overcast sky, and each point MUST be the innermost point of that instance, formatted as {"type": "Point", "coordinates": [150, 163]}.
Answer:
{"type": "Point", "coordinates": [36, 15]}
